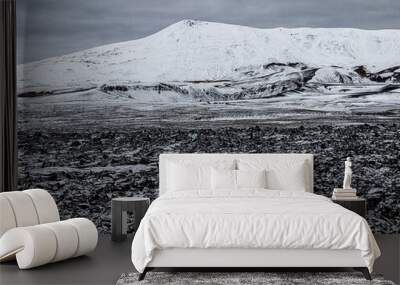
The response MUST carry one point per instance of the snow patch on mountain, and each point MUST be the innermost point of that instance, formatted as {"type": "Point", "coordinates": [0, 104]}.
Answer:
{"type": "Point", "coordinates": [338, 75]}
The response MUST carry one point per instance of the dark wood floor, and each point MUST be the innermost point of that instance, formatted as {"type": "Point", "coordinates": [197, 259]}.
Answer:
{"type": "Point", "coordinates": [110, 260]}
{"type": "Point", "coordinates": [103, 266]}
{"type": "Point", "coordinates": [389, 262]}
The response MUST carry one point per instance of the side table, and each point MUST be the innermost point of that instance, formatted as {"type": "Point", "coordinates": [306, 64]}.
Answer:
{"type": "Point", "coordinates": [119, 209]}
{"type": "Point", "coordinates": [357, 205]}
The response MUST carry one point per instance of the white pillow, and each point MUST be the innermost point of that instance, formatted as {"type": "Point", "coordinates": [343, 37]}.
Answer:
{"type": "Point", "coordinates": [192, 174]}
{"type": "Point", "coordinates": [223, 179]}
{"type": "Point", "coordinates": [183, 177]}
{"type": "Point", "coordinates": [281, 174]}
{"type": "Point", "coordinates": [251, 178]}
{"type": "Point", "coordinates": [227, 179]}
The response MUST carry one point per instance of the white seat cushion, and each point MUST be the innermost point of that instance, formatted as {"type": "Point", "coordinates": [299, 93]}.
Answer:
{"type": "Point", "coordinates": [7, 220]}
{"type": "Point", "coordinates": [87, 233]}
{"type": "Point", "coordinates": [23, 208]}
{"type": "Point", "coordinates": [67, 240]}
{"type": "Point", "coordinates": [26, 208]}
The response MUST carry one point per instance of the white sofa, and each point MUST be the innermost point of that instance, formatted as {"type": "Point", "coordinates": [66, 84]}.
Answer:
{"type": "Point", "coordinates": [31, 231]}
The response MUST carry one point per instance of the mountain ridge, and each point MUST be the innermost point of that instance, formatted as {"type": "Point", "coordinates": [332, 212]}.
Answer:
{"type": "Point", "coordinates": [198, 50]}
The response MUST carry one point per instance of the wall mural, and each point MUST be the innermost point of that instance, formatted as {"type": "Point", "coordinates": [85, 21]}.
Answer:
{"type": "Point", "coordinates": [93, 122]}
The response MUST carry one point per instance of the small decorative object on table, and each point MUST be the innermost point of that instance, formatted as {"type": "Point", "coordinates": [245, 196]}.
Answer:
{"type": "Point", "coordinates": [119, 208]}
{"type": "Point", "coordinates": [348, 173]}
{"type": "Point", "coordinates": [345, 193]}
{"type": "Point", "coordinates": [347, 196]}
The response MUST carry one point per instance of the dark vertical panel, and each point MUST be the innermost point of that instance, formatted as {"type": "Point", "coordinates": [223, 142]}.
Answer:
{"type": "Point", "coordinates": [8, 120]}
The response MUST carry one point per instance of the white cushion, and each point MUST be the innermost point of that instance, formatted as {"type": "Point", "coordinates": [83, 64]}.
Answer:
{"type": "Point", "coordinates": [223, 179]}
{"type": "Point", "coordinates": [281, 174]}
{"type": "Point", "coordinates": [192, 175]}
{"type": "Point", "coordinates": [32, 246]}
{"type": "Point", "coordinates": [67, 240]}
{"type": "Point", "coordinates": [172, 170]}
{"type": "Point", "coordinates": [45, 205]}
{"type": "Point", "coordinates": [87, 233]}
{"type": "Point", "coordinates": [183, 177]}
{"type": "Point", "coordinates": [251, 178]}
{"type": "Point", "coordinates": [26, 208]}
{"type": "Point", "coordinates": [228, 161]}
{"type": "Point", "coordinates": [23, 208]}
{"type": "Point", "coordinates": [231, 180]}
{"type": "Point", "coordinates": [7, 218]}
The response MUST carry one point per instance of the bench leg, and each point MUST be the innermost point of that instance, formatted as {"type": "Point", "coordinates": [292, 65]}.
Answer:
{"type": "Point", "coordinates": [364, 271]}
{"type": "Point", "coordinates": [142, 275]}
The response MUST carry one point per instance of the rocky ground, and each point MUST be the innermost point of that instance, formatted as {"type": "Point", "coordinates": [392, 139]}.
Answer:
{"type": "Point", "coordinates": [84, 169]}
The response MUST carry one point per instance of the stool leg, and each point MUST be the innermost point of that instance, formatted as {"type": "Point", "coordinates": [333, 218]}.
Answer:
{"type": "Point", "coordinates": [116, 221]}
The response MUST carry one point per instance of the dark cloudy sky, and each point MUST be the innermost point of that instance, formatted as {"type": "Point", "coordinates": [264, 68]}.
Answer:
{"type": "Point", "coordinates": [55, 27]}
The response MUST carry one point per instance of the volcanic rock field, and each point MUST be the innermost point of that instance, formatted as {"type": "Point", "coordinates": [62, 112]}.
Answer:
{"type": "Point", "coordinates": [84, 169]}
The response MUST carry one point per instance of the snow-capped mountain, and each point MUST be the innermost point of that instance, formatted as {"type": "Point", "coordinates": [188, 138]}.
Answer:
{"type": "Point", "coordinates": [199, 51]}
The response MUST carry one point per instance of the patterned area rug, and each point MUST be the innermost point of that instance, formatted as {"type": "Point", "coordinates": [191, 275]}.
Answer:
{"type": "Point", "coordinates": [269, 278]}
